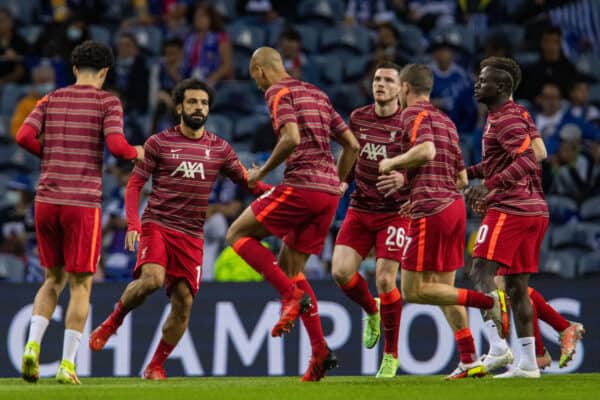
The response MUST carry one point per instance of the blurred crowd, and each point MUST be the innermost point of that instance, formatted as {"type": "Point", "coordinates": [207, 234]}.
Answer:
{"type": "Point", "coordinates": [332, 43]}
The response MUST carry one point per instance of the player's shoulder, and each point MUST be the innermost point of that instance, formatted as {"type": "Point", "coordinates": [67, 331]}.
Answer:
{"type": "Point", "coordinates": [281, 87]}
{"type": "Point", "coordinates": [363, 112]}
{"type": "Point", "coordinates": [513, 114]}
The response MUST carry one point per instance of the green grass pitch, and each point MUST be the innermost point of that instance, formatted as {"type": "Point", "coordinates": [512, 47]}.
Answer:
{"type": "Point", "coordinates": [573, 386]}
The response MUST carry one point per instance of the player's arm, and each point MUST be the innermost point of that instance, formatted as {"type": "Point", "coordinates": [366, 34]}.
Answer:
{"type": "Point", "coordinates": [350, 149]}
{"type": "Point", "coordinates": [235, 170]}
{"type": "Point", "coordinates": [289, 139]}
{"type": "Point", "coordinates": [29, 134]}
{"type": "Point", "coordinates": [415, 157]}
{"type": "Point", "coordinates": [136, 182]}
{"type": "Point", "coordinates": [539, 149]}
{"type": "Point", "coordinates": [475, 171]}
{"type": "Point", "coordinates": [516, 141]}
{"type": "Point", "coordinates": [462, 180]}
{"type": "Point", "coordinates": [113, 132]}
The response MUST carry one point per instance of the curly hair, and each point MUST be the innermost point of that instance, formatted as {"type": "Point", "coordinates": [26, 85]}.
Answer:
{"type": "Point", "coordinates": [191, 83]}
{"type": "Point", "coordinates": [507, 65]}
{"type": "Point", "coordinates": [92, 55]}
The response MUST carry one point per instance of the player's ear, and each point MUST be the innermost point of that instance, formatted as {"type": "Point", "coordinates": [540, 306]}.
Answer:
{"type": "Point", "coordinates": [178, 109]}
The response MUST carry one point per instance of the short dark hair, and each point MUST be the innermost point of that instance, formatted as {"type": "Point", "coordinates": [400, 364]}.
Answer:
{"type": "Point", "coordinates": [507, 65]}
{"type": "Point", "coordinates": [92, 55]}
{"type": "Point", "coordinates": [192, 84]}
{"type": "Point", "coordinates": [174, 41]}
{"type": "Point", "coordinates": [389, 65]}
{"type": "Point", "coordinates": [419, 77]}
{"type": "Point", "coordinates": [552, 30]}
{"type": "Point", "coordinates": [291, 34]}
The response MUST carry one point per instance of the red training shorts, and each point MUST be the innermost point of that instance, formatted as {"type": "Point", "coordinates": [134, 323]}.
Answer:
{"type": "Point", "coordinates": [300, 217]}
{"type": "Point", "coordinates": [437, 242]}
{"type": "Point", "coordinates": [511, 240]}
{"type": "Point", "coordinates": [388, 232]}
{"type": "Point", "coordinates": [69, 236]}
{"type": "Point", "coordinates": [180, 254]}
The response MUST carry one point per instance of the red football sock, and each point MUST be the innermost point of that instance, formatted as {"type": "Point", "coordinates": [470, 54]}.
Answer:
{"type": "Point", "coordinates": [546, 313]}
{"type": "Point", "coordinates": [162, 353]}
{"type": "Point", "coordinates": [472, 298]}
{"type": "Point", "coordinates": [263, 261]}
{"type": "Point", "coordinates": [358, 290]}
{"type": "Point", "coordinates": [310, 318]}
{"type": "Point", "coordinates": [466, 346]}
{"type": "Point", "coordinates": [118, 314]}
{"type": "Point", "coordinates": [391, 309]}
{"type": "Point", "coordinates": [539, 345]}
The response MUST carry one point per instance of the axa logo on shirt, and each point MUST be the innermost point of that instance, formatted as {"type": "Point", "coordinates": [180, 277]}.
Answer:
{"type": "Point", "coordinates": [372, 151]}
{"type": "Point", "coordinates": [190, 169]}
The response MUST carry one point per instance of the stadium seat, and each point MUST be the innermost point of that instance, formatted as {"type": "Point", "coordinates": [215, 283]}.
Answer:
{"type": "Point", "coordinates": [234, 98]}
{"type": "Point", "coordinates": [227, 8]}
{"type": "Point", "coordinates": [513, 32]}
{"type": "Point", "coordinates": [411, 38]}
{"type": "Point", "coordinates": [582, 235]}
{"type": "Point", "coordinates": [562, 263]}
{"type": "Point", "coordinates": [525, 58]}
{"type": "Point", "coordinates": [246, 38]}
{"type": "Point", "coordinates": [149, 38]}
{"type": "Point", "coordinates": [247, 127]}
{"type": "Point", "coordinates": [589, 264]}
{"type": "Point", "coordinates": [100, 34]}
{"type": "Point", "coordinates": [241, 60]}
{"type": "Point", "coordinates": [11, 93]}
{"type": "Point", "coordinates": [561, 208]}
{"type": "Point", "coordinates": [241, 147]}
{"type": "Point", "coordinates": [595, 93]}
{"type": "Point", "coordinates": [590, 209]}
{"type": "Point", "coordinates": [330, 69]}
{"type": "Point", "coordinates": [23, 10]}
{"type": "Point", "coordinates": [30, 33]}
{"type": "Point", "coordinates": [323, 12]}
{"type": "Point", "coordinates": [356, 68]}
{"type": "Point", "coordinates": [12, 268]}
{"type": "Point", "coordinates": [310, 37]}
{"type": "Point", "coordinates": [355, 39]}
{"type": "Point", "coordinates": [220, 125]}
{"type": "Point", "coordinates": [247, 158]}
{"type": "Point", "coordinates": [458, 35]}
{"type": "Point", "coordinates": [347, 97]}
{"type": "Point", "coordinates": [589, 64]}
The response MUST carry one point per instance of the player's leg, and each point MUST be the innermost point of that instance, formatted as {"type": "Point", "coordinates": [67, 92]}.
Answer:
{"type": "Point", "coordinates": [344, 269]}
{"type": "Point", "coordinates": [44, 305]}
{"type": "Point", "coordinates": [517, 289]}
{"type": "Point", "coordinates": [173, 328]}
{"type": "Point", "coordinates": [151, 277]}
{"type": "Point", "coordinates": [390, 302]}
{"type": "Point", "coordinates": [469, 366]}
{"type": "Point", "coordinates": [50, 242]}
{"type": "Point", "coordinates": [80, 288]}
{"type": "Point", "coordinates": [569, 332]}
{"type": "Point", "coordinates": [244, 236]}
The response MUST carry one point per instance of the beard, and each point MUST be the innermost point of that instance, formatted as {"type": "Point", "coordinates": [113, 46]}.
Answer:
{"type": "Point", "coordinates": [191, 122]}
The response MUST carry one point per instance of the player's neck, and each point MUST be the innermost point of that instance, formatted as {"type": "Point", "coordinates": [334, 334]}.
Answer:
{"type": "Point", "coordinates": [386, 109]}
{"type": "Point", "coordinates": [413, 99]}
{"type": "Point", "coordinates": [496, 105]}
{"type": "Point", "coordinates": [278, 76]}
{"type": "Point", "coordinates": [191, 133]}
{"type": "Point", "coordinates": [88, 79]}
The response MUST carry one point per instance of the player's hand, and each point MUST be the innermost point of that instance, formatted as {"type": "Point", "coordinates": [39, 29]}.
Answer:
{"type": "Point", "coordinates": [390, 183]}
{"type": "Point", "coordinates": [475, 197]}
{"type": "Point", "coordinates": [343, 188]}
{"type": "Point", "coordinates": [139, 153]}
{"type": "Point", "coordinates": [405, 209]}
{"type": "Point", "coordinates": [385, 166]}
{"type": "Point", "coordinates": [254, 175]}
{"type": "Point", "coordinates": [131, 238]}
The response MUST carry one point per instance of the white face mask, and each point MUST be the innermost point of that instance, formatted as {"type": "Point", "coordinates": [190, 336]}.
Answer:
{"type": "Point", "coordinates": [12, 197]}
{"type": "Point", "coordinates": [74, 33]}
{"type": "Point", "coordinates": [44, 88]}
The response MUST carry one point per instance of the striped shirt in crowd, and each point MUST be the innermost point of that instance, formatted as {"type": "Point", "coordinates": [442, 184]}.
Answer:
{"type": "Point", "coordinates": [311, 166]}
{"type": "Point", "coordinates": [74, 121]}
{"type": "Point", "coordinates": [433, 184]}
{"type": "Point", "coordinates": [379, 138]}
{"type": "Point", "coordinates": [508, 163]}
{"type": "Point", "coordinates": [183, 172]}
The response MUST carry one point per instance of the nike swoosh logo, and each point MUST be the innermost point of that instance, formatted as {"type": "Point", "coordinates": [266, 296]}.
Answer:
{"type": "Point", "coordinates": [175, 150]}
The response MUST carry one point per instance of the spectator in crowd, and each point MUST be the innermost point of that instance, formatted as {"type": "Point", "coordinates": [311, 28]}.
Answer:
{"type": "Point", "coordinates": [173, 21]}
{"type": "Point", "coordinates": [430, 14]}
{"type": "Point", "coordinates": [43, 82]}
{"type": "Point", "coordinates": [130, 74]}
{"type": "Point", "coordinates": [580, 101]}
{"type": "Point", "coordinates": [554, 114]}
{"type": "Point", "coordinates": [16, 217]}
{"type": "Point", "coordinates": [170, 73]}
{"type": "Point", "coordinates": [552, 66]}
{"type": "Point", "coordinates": [452, 87]}
{"type": "Point", "coordinates": [367, 13]}
{"type": "Point", "coordinates": [207, 49]}
{"type": "Point", "coordinates": [12, 49]}
{"type": "Point", "coordinates": [571, 168]}
{"type": "Point", "coordinates": [290, 47]}
{"type": "Point", "coordinates": [58, 39]}
{"type": "Point", "coordinates": [224, 205]}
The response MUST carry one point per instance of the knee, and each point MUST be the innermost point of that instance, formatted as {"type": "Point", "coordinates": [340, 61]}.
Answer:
{"type": "Point", "coordinates": [152, 282]}
{"type": "Point", "coordinates": [340, 274]}
{"type": "Point", "coordinates": [384, 282]}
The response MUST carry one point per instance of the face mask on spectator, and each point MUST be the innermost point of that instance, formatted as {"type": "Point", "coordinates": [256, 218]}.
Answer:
{"type": "Point", "coordinates": [44, 88]}
{"type": "Point", "coordinates": [74, 33]}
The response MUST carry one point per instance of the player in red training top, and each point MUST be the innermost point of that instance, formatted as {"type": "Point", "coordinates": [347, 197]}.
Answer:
{"type": "Point", "coordinates": [516, 218]}
{"type": "Point", "coordinates": [184, 163]}
{"type": "Point", "coordinates": [438, 224]}
{"type": "Point", "coordinates": [569, 332]}
{"type": "Point", "coordinates": [373, 219]}
{"type": "Point", "coordinates": [67, 129]}
{"type": "Point", "coordinates": [301, 208]}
